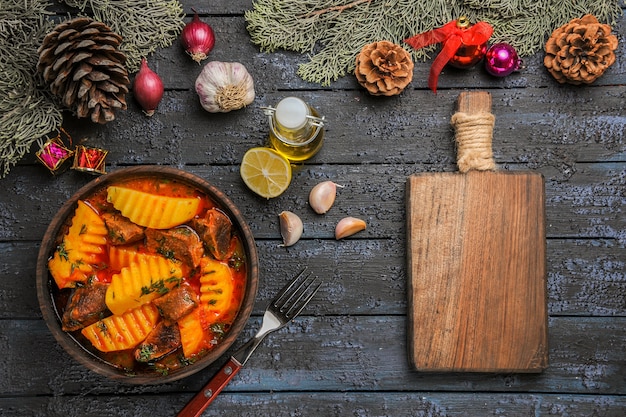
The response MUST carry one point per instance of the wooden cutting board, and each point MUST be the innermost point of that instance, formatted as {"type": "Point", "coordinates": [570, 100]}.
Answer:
{"type": "Point", "coordinates": [477, 267]}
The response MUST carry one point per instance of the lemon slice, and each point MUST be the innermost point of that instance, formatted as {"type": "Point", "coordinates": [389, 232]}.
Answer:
{"type": "Point", "coordinates": [265, 171]}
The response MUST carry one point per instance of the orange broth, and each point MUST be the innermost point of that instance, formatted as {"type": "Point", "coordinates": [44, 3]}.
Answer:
{"type": "Point", "coordinates": [215, 328]}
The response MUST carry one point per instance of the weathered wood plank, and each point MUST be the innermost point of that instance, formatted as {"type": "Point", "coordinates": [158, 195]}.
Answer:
{"type": "Point", "coordinates": [396, 404]}
{"type": "Point", "coordinates": [352, 340]}
{"type": "Point", "coordinates": [317, 353]}
{"type": "Point", "coordinates": [575, 280]}
{"type": "Point", "coordinates": [18, 291]}
{"type": "Point", "coordinates": [548, 116]}
{"type": "Point", "coordinates": [586, 202]}
{"type": "Point", "coordinates": [560, 119]}
{"type": "Point", "coordinates": [556, 127]}
{"type": "Point", "coordinates": [369, 353]}
{"type": "Point", "coordinates": [368, 277]}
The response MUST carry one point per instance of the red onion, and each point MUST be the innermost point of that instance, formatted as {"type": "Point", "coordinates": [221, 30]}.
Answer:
{"type": "Point", "coordinates": [148, 88]}
{"type": "Point", "coordinates": [197, 38]}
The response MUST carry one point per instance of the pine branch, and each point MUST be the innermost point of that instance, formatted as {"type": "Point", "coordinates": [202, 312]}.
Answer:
{"type": "Point", "coordinates": [145, 26]}
{"type": "Point", "coordinates": [333, 32]}
{"type": "Point", "coordinates": [27, 113]}
{"type": "Point", "coordinates": [335, 8]}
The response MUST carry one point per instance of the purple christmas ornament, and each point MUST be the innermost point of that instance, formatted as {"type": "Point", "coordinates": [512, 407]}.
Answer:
{"type": "Point", "coordinates": [501, 60]}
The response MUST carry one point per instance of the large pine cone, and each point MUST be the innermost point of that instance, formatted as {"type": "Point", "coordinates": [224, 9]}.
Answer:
{"type": "Point", "coordinates": [80, 61]}
{"type": "Point", "coordinates": [580, 51]}
{"type": "Point", "coordinates": [384, 68]}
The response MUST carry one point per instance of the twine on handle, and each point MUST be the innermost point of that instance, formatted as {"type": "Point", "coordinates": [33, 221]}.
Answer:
{"type": "Point", "coordinates": [473, 135]}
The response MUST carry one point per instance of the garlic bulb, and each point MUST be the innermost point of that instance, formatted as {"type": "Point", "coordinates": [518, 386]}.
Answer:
{"type": "Point", "coordinates": [224, 86]}
{"type": "Point", "coordinates": [348, 226]}
{"type": "Point", "coordinates": [291, 227]}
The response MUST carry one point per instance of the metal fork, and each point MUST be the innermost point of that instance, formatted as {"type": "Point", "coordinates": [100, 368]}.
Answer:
{"type": "Point", "coordinates": [289, 302]}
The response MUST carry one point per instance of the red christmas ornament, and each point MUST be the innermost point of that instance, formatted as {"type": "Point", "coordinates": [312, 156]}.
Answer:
{"type": "Point", "coordinates": [468, 56]}
{"type": "Point", "coordinates": [463, 45]}
{"type": "Point", "coordinates": [91, 160]}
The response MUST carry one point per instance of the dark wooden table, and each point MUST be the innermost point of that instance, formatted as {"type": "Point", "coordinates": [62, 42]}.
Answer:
{"type": "Point", "coordinates": [347, 355]}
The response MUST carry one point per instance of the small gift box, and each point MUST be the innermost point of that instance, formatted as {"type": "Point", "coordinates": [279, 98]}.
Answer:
{"type": "Point", "coordinates": [91, 160]}
{"type": "Point", "coordinates": [53, 154]}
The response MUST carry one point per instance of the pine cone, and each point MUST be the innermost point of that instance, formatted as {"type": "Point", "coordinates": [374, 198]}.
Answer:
{"type": "Point", "coordinates": [80, 61]}
{"type": "Point", "coordinates": [384, 68]}
{"type": "Point", "coordinates": [580, 51]}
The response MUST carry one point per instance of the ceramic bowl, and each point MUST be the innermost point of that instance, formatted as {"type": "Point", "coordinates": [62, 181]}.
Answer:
{"type": "Point", "coordinates": [48, 291]}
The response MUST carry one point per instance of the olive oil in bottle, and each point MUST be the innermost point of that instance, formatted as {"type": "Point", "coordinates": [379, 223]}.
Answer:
{"type": "Point", "coordinates": [296, 130]}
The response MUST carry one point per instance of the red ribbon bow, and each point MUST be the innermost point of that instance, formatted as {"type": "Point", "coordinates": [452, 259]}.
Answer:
{"type": "Point", "coordinates": [452, 35]}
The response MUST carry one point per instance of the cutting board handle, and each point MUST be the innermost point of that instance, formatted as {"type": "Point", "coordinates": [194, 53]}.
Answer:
{"type": "Point", "coordinates": [473, 125]}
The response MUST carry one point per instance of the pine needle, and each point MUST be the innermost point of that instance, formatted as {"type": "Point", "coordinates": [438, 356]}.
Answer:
{"type": "Point", "coordinates": [27, 113]}
{"type": "Point", "coordinates": [332, 32]}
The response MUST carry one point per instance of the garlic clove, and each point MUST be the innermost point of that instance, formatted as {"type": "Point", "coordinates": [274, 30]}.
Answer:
{"type": "Point", "coordinates": [291, 227]}
{"type": "Point", "coordinates": [349, 226]}
{"type": "Point", "coordinates": [322, 196]}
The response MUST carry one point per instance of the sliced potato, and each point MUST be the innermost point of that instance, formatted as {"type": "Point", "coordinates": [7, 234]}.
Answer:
{"type": "Point", "coordinates": [120, 332]}
{"type": "Point", "coordinates": [152, 210]}
{"type": "Point", "coordinates": [142, 282]}
{"type": "Point", "coordinates": [124, 256]}
{"type": "Point", "coordinates": [82, 248]}
{"type": "Point", "coordinates": [216, 287]}
{"type": "Point", "coordinates": [194, 337]}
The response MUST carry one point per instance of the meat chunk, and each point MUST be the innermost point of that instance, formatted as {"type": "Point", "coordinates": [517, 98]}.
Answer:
{"type": "Point", "coordinates": [180, 243]}
{"type": "Point", "coordinates": [121, 230]}
{"type": "Point", "coordinates": [215, 229]}
{"type": "Point", "coordinates": [163, 339]}
{"type": "Point", "coordinates": [85, 306]}
{"type": "Point", "coordinates": [177, 303]}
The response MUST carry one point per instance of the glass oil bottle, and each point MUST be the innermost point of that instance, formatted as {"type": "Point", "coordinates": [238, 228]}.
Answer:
{"type": "Point", "coordinates": [296, 129]}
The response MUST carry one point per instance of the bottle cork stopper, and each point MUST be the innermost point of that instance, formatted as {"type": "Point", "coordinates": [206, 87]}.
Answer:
{"type": "Point", "coordinates": [291, 113]}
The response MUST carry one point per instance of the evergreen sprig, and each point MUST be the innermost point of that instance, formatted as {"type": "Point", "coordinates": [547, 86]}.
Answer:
{"type": "Point", "coordinates": [145, 25]}
{"type": "Point", "coordinates": [332, 32]}
{"type": "Point", "coordinates": [27, 112]}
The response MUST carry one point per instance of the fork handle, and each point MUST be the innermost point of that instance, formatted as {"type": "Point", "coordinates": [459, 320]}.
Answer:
{"type": "Point", "coordinates": [201, 400]}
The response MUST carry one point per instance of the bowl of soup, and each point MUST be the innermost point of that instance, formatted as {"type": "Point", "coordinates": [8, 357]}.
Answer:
{"type": "Point", "coordinates": [147, 274]}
